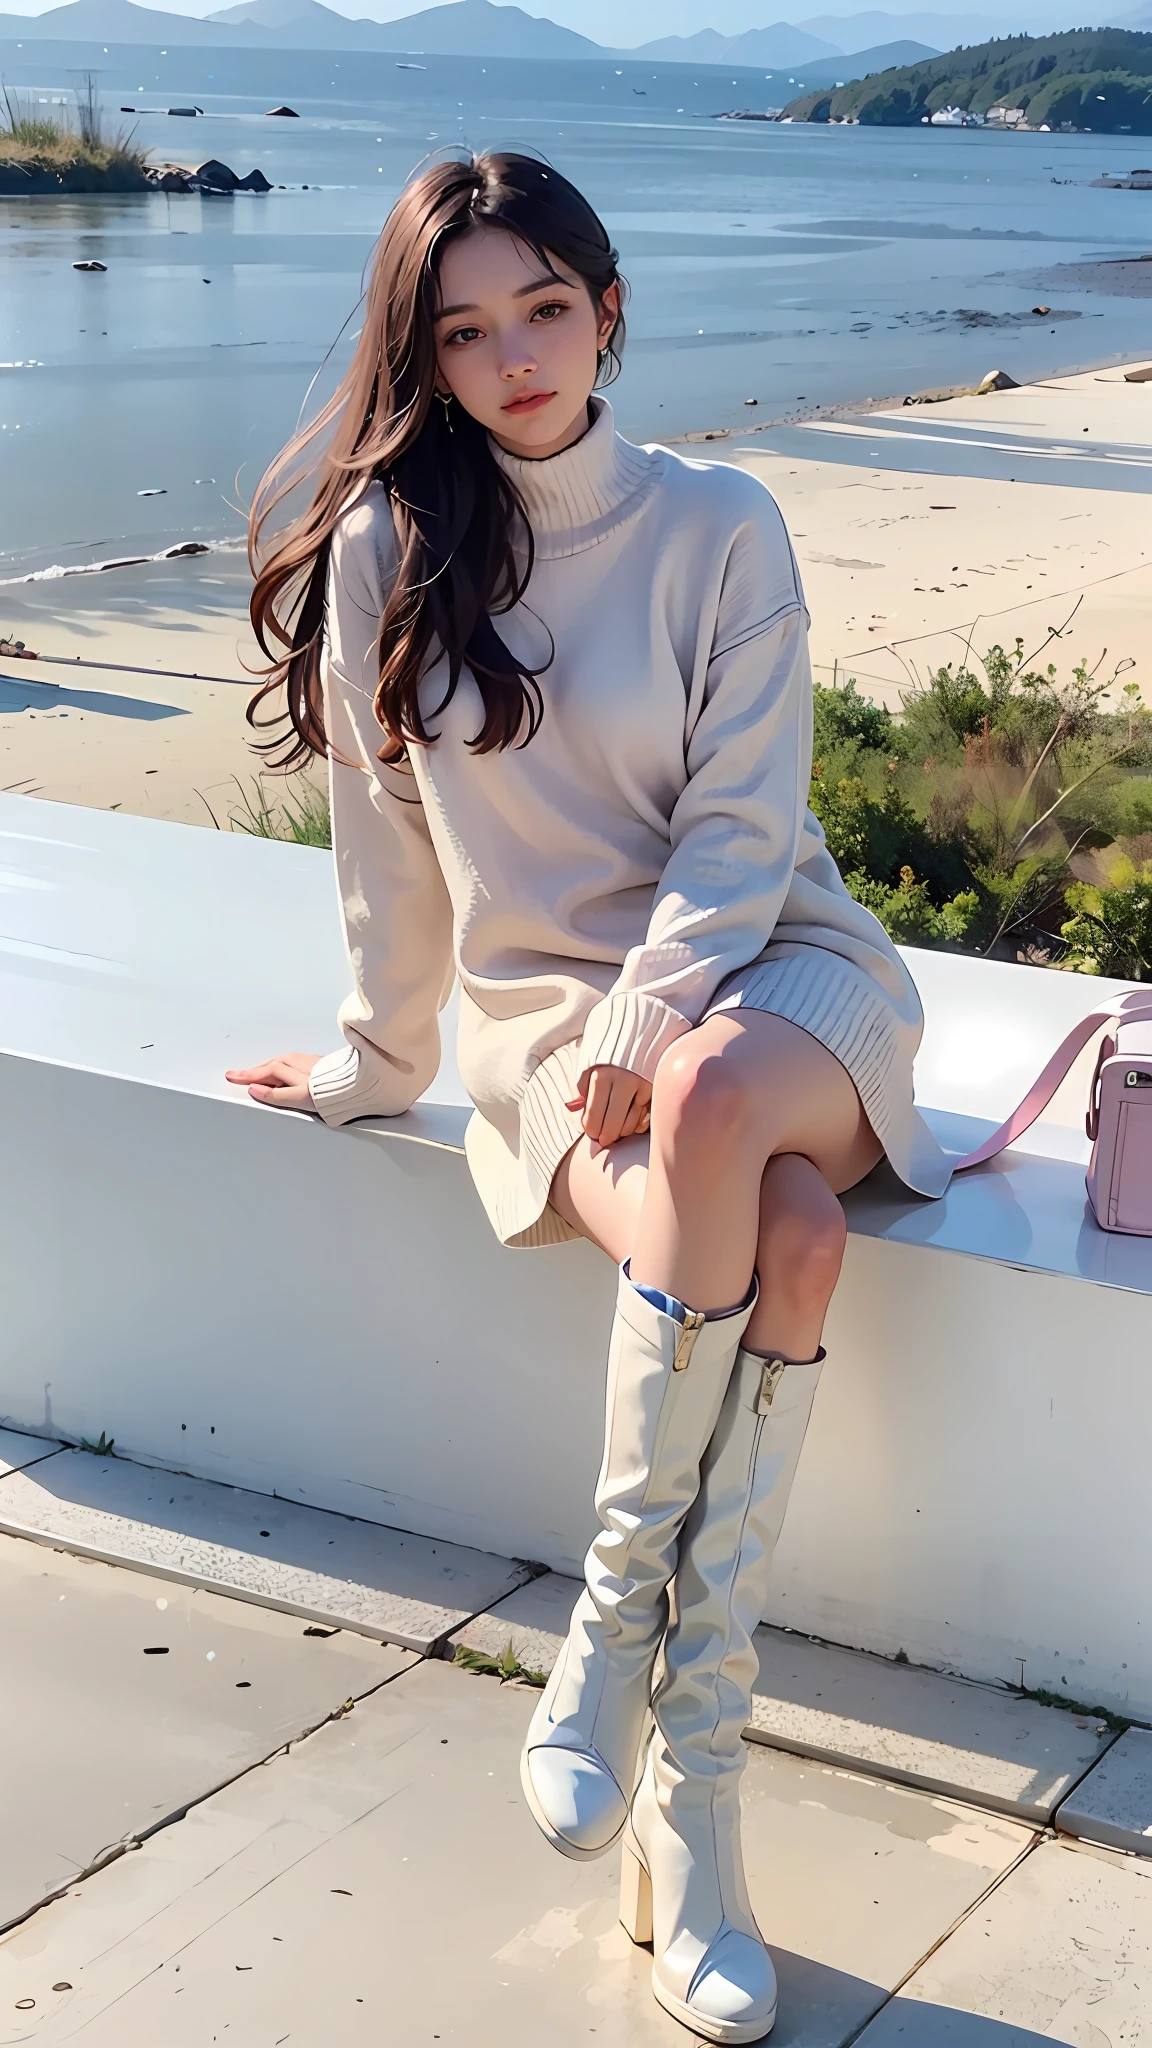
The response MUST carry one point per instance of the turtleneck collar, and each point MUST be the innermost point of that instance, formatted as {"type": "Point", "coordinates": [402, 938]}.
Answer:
{"type": "Point", "coordinates": [573, 499]}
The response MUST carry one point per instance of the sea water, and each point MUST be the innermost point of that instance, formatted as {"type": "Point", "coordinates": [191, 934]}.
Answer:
{"type": "Point", "coordinates": [794, 265]}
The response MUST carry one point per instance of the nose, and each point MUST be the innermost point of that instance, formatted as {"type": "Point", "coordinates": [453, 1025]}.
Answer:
{"type": "Point", "coordinates": [517, 364]}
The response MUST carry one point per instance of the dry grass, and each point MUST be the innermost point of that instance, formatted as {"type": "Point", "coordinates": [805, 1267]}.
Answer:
{"type": "Point", "coordinates": [50, 148]}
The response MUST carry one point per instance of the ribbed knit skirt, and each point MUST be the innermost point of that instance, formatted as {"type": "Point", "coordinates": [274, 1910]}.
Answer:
{"type": "Point", "coordinates": [824, 994]}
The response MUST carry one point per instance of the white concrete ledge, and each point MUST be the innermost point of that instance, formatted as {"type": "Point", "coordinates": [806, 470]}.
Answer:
{"type": "Point", "coordinates": [246, 1296]}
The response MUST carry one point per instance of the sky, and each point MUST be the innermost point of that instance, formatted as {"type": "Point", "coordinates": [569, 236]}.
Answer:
{"type": "Point", "coordinates": [626, 22]}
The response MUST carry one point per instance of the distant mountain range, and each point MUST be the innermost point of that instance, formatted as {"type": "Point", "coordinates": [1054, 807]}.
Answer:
{"type": "Point", "coordinates": [777, 46]}
{"type": "Point", "coordinates": [464, 28]}
{"type": "Point", "coordinates": [852, 32]}
{"type": "Point", "coordinates": [780, 44]}
{"type": "Point", "coordinates": [852, 44]}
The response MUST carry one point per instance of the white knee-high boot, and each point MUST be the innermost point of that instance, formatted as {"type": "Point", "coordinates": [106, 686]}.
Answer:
{"type": "Point", "coordinates": [683, 1883]}
{"type": "Point", "coordinates": [667, 1377]}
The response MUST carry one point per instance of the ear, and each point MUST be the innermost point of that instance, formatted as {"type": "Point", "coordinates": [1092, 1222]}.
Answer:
{"type": "Point", "coordinates": [609, 314]}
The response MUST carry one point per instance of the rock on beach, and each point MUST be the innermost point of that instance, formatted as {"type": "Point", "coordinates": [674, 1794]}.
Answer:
{"type": "Point", "coordinates": [211, 177]}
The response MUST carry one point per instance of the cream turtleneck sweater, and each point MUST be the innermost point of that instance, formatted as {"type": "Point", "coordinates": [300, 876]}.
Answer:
{"type": "Point", "coordinates": [646, 858]}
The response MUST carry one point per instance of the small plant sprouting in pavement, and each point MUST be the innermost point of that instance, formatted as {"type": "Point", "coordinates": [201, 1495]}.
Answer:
{"type": "Point", "coordinates": [101, 1449]}
{"type": "Point", "coordinates": [1115, 1723]}
{"type": "Point", "coordinates": [504, 1667]}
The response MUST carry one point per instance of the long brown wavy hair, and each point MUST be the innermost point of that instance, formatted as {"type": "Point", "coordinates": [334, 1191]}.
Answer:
{"type": "Point", "coordinates": [456, 513]}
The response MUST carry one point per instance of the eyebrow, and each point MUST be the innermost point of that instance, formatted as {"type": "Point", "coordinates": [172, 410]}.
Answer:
{"type": "Point", "coordinates": [523, 292]}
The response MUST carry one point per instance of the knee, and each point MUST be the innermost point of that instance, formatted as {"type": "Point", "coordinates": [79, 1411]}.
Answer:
{"type": "Point", "coordinates": [801, 1250]}
{"type": "Point", "coordinates": [699, 1104]}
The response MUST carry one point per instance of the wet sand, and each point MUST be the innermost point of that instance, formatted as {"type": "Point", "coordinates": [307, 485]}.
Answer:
{"type": "Point", "coordinates": [904, 568]}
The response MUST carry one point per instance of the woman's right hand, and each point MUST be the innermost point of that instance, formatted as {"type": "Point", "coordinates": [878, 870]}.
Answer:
{"type": "Point", "coordinates": [281, 1082]}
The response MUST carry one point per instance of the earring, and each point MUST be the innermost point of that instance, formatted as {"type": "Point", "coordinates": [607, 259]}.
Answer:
{"type": "Point", "coordinates": [445, 398]}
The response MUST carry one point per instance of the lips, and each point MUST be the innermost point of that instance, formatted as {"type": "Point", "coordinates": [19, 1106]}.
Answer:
{"type": "Point", "coordinates": [530, 401]}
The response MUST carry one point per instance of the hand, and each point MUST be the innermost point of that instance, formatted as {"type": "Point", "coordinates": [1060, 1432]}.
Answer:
{"type": "Point", "coordinates": [616, 1104]}
{"type": "Point", "coordinates": [282, 1082]}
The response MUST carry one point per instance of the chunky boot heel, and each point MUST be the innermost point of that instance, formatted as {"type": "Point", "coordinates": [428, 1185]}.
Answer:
{"type": "Point", "coordinates": [635, 1896]}
{"type": "Point", "coordinates": [710, 1967]}
{"type": "Point", "coordinates": [667, 1376]}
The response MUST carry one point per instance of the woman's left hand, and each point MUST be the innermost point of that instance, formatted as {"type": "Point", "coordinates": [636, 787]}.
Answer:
{"type": "Point", "coordinates": [616, 1104]}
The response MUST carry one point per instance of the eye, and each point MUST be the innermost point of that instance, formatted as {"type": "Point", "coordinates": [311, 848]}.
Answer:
{"type": "Point", "coordinates": [550, 310]}
{"type": "Point", "coordinates": [461, 336]}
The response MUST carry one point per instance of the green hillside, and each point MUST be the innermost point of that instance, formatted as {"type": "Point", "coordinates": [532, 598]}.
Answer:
{"type": "Point", "coordinates": [1098, 80]}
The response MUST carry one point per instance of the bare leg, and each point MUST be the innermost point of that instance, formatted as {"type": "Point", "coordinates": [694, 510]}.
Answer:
{"type": "Point", "coordinates": [727, 1099]}
{"type": "Point", "coordinates": [755, 1128]}
{"type": "Point", "coordinates": [798, 1256]}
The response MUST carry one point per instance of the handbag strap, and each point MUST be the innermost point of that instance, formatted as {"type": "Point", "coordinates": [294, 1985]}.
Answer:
{"type": "Point", "coordinates": [1131, 1009]}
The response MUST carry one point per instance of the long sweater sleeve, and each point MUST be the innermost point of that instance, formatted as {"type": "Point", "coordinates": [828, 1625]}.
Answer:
{"type": "Point", "coordinates": [397, 913]}
{"type": "Point", "coordinates": [736, 827]}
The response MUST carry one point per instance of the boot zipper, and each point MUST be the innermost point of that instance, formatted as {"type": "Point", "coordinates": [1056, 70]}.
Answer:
{"type": "Point", "coordinates": [774, 1370]}
{"type": "Point", "coordinates": [690, 1330]}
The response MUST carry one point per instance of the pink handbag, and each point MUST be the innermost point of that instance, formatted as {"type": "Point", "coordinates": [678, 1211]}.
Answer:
{"type": "Point", "coordinates": [1119, 1119]}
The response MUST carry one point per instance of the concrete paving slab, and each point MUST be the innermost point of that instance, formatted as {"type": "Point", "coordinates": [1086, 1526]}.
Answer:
{"type": "Point", "coordinates": [867, 1713]}
{"type": "Point", "coordinates": [920, 1728]}
{"type": "Point", "coordinates": [125, 1697]}
{"type": "Point", "coordinates": [1061, 1951]}
{"type": "Point", "coordinates": [384, 1881]}
{"type": "Point", "coordinates": [534, 1620]}
{"type": "Point", "coordinates": [18, 1450]}
{"type": "Point", "coordinates": [1114, 1804]}
{"type": "Point", "coordinates": [403, 1589]}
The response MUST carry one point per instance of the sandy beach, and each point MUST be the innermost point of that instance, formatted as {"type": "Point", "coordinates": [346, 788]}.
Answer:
{"type": "Point", "coordinates": [158, 745]}
{"type": "Point", "coordinates": [903, 571]}
{"type": "Point", "coordinates": [904, 565]}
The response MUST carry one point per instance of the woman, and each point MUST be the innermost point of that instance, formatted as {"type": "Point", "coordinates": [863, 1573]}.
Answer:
{"type": "Point", "coordinates": [562, 686]}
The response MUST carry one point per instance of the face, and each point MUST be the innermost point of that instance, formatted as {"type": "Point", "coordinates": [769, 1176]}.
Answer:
{"type": "Point", "coordinates": [515, 347]}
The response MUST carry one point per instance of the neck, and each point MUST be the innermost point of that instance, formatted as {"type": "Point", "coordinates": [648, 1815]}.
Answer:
{"type": "Point", "coordinates": [581, 492]}
{"type": "Point", "coordinates": [573, 432]}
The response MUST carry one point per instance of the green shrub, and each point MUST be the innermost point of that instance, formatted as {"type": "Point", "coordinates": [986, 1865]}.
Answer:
{"type": "Point", "coordinates": [1110, 930]}
{"type": "Point", "coordinates": [1129, 807]}
{"type": "Point", "coordinates": [909, 915]}
{"type": "Point", "coordinates": [839, 713]}
{"type": "Point", "coordinates": [959, 822]}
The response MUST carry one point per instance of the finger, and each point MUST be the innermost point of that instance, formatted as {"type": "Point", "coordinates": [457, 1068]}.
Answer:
{"type": "Point", "coordinates": [281, 1098]}
{"type": "Point", "coordinates": [619, 1105]}
{"type": "Point", "coordinates": [293, 1066]}
{"type": "Point", "coordinates": [281, 1080]}
{"type": "Point", "coordinates": [599, 1096]}
{"type": "Point", "coordinates": [610, 1121]}
{"type": "Point", "coordinates": [268, 1071]}
{"type": "Point", "coordinates": [636, 1119]}
{"type": "Point", "coordinates": [640, 1113]}
{"type": "Point", "coordinates": [285, 1088]}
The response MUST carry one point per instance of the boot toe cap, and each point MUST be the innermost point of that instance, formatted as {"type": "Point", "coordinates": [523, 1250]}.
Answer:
{"type": "Point", "coordinates": [578, 1798]}
{"type": "Point", "coordinates": [735, 1986]}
